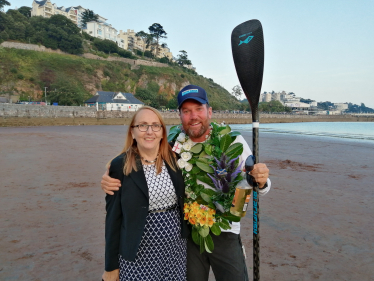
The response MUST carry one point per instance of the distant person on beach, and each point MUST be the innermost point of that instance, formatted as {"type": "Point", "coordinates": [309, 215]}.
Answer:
{"type": "Point", "coordinates": [227, 260]}
{"type": "Point", "coordinates": [145, 231]}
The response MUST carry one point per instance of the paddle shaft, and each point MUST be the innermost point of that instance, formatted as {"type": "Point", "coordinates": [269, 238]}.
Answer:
{"type": "Point", "coordinates": [256, 205]}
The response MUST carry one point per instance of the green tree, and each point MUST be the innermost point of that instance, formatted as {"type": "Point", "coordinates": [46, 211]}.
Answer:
{"type": "Point", "coordinates": [15, 24]}
{"type": "Point", "coordinates": [26, 11]}
{"type": "Point", "coordinates": [164, 60]}
{"type": "Point", "coordinates": [182, 59]}
{"type": "Point", "coordinates": [65, 34]}
{"type": "Point", "coordinates": [146, 96]}
{"type": "Point", "coordinates": [157, 32]}
{"type": "Point", "coordinates": [148, 54]}
{"type": "Point", "coordinates": [173, 102]}
{"type": "Point", "coordinates": [66, 96]}
{"type": "Point", "coordinates": [237, 92]}
{"type": "Point", "coordinates": [143, 36]}
{"type": "Point", "coordinates": [326, 105]}
{"type": "Point", "coordinates": [87, 16]}
{"type": "Point", "coordinates": [306, 100]}
{"type": "Point", "coordinates": [273, 106]}
{"type": "Point", "coordinates": [4, 21]}
{"type": "Point", "coordinates": [3, 3]}
{"type": "Point", "coordinates": [125, 54]}
{"type": "Point", "coordinates": [106, 46]}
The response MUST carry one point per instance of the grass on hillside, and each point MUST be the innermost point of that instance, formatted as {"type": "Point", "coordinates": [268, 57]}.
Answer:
{"type": "Point", "coordinates": [26, 73]}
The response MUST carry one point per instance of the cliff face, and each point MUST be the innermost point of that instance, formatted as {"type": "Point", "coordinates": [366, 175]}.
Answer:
{"type": "Point", "coordinates": [73, 79]}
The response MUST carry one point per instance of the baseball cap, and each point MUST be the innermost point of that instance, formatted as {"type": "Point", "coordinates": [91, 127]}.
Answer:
{"type": "Point", "coordinates": [192, 92]}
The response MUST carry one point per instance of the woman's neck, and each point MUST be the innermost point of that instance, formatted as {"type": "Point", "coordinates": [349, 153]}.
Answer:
{"type": "Point", "coordinates": [147, 154]}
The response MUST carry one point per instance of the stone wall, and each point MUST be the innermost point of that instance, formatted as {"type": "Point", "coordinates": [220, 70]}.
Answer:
{"type": "Point", "coordinates": [25, 110]}
{"type": "Point", "coordinates": [36, 115]}
{"type": "Point", "coordinates": [130, 61]}
{"type": "Point", "coordinates": [33, 47]}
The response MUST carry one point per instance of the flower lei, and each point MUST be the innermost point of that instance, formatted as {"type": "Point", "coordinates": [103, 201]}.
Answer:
{"type": "Point", "coordinates": [215, 163]}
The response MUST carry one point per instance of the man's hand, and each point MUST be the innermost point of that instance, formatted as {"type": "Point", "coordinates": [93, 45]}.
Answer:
{"type": "Point", "coordinates": [111, 275]}
{"type": "Point", "coordinates": [109, 184]}
{"type": "Point", "coordinates": [260, 173]}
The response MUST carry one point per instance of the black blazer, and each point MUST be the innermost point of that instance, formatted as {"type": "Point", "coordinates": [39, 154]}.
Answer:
{"type": "Point", "coordinates": [127, 210]}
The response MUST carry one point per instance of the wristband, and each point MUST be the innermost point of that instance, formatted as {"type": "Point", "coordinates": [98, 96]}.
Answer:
{"type": "Point", "coordinates": [265, 186]}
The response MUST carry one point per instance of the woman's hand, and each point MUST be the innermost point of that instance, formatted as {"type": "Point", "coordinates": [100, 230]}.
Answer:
{"type": "Point", "coordinates": [111, 275]}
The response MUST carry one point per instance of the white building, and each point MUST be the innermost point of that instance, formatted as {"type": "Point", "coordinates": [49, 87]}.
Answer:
{"type": "Point", "coordinates": [298, 107]}
{"type": "Point", "coordinates": [267, 97]}
{"type": "Point", "coordinates": [103, 31]}
{"type": "Point", "coordinates": [80, 10]}
{"type": "Point", "coordinates": [276, 96]}
{"type": "Point", "coordinates": [110, 101]}
{"type": "Point", "coordinates": [46, 9]}
{"type": "Point", "coordinates": [341, 106]}
{"type": "Point", "coordinates": [130, 41]}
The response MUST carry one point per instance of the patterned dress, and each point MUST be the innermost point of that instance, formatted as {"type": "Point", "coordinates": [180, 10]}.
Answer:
{"type": "Point", "coordinates": [162, 253]}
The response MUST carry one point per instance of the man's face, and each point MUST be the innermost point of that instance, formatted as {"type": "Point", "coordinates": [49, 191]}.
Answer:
{"type": "Point", "coordinates": [195, 119]}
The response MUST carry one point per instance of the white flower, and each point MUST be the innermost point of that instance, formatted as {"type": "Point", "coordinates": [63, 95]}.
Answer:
{"type": "Point", "coordinates": [186, 156]}
{"type": "Point", "coordinates": [187, 175]}
{"type": "Point", "coordinates": [181, 137]}
{"type": "Point", "coordinates": [188, 166]}
{"type": "Point", "coordinates": [181, 163]}
{"type": "Point", "coordinates": [190, 142]}
{"type": "Point", "coordinates": [187, 146]}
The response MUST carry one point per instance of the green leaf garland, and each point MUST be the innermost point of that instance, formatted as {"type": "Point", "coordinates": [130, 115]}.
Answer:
{"type": "Point", "coordinates": [201, 163]}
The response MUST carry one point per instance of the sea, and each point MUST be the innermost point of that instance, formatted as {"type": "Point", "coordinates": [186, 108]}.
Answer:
{"type": "Point", "coordinates": [353, 131]}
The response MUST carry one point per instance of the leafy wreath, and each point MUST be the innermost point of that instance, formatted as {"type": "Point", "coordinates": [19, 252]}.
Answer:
{"type": "Point", "coordinates": [214, 162]}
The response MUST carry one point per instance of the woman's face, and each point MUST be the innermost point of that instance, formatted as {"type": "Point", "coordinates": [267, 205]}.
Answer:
{"type": "Point", "coordinates": [148, 140]}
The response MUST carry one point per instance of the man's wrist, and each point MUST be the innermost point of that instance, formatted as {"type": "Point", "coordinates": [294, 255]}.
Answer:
{"type": "Point", "coordinates": [265, 186]}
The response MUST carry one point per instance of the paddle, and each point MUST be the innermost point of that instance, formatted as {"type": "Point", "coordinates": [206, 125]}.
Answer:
{"type": "Point", "coordinates": [247, 45]}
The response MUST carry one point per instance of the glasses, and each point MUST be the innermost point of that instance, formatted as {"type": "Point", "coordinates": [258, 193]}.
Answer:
{"type": "Point", "coordinates": [144, 127]}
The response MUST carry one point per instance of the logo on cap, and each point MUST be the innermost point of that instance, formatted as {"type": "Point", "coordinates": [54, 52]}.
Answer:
{"type": "Point", "coordinates": [190, 91]}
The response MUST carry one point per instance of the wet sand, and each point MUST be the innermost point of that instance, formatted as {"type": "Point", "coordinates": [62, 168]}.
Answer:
{"type": "Point", "coordinates": [316, 223]}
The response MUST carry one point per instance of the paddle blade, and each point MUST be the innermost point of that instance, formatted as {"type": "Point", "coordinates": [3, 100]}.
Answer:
{"type": "Point", "coordinates": [247, 43]}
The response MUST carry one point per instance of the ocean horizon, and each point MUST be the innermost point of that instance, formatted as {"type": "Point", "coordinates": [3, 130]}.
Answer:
{"type": "Point", "coordinates": [354, 131]}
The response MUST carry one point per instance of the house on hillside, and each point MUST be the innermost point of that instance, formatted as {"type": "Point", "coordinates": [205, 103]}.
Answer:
{"type": "Point", "coordinates": [114, 101]}
{"type": "Point", "coordinates": [103, 30]}
{"type": "Point", "coordinates": [46, 9]}
{"type": "Point", "coordinates": [80, 10]}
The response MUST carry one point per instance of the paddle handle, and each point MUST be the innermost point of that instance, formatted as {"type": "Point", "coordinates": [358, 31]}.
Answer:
{"type": "Point", "coordinates": [256, 206]}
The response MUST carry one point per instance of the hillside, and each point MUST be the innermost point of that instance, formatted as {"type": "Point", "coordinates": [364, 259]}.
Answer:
{"type": "Point", "coordinates": [71, 79]}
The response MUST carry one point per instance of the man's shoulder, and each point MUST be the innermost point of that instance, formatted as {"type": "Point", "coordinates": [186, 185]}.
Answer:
{"type": "Point", "coordinates": [240, 139]}
{"type": "Point", "coordinates": [119, 160]}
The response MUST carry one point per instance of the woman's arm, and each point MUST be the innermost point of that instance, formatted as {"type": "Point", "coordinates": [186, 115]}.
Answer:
{"type": "Point", "coordinates": [113, 219]}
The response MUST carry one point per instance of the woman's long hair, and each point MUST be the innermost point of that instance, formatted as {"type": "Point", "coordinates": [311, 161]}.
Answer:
{"type": "Point", "coordinates": [165, 152]}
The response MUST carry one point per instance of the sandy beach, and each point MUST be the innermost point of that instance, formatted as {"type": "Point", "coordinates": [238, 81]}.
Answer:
{"type": "Point", "coordinates": [315, 224]}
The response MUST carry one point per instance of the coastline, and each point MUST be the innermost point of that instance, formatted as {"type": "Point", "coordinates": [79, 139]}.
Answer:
{"type": "Point", "coordinates": [173, 119]}
{"type": "Point", "coordinates": [315, 223]}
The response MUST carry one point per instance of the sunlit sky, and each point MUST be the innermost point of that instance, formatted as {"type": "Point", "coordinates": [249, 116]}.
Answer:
{"type": "Point", "coordinates": [321, 50]}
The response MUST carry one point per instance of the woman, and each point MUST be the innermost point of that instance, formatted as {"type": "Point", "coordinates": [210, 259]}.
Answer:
{"type": "Point", "coordinates": [144, 229]}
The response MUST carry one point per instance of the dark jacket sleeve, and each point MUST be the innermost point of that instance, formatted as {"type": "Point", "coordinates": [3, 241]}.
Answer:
{"type": "Point", "coordinates": [113, 219]}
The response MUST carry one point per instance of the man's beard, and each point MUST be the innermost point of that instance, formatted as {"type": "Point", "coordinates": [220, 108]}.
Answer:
{"type": "Point", "coordinates": [199, 133]}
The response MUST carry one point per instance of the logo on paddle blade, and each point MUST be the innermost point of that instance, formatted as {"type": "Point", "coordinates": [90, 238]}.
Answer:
{"type": "Point", "coordinates": [246, 41]}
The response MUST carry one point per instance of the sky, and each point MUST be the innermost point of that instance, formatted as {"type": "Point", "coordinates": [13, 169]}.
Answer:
{"type": "Point", "coordinates": [321, 50]}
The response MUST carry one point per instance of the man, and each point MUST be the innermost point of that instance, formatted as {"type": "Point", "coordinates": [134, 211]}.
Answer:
{"type": "Point", "coordinates": [227, 260]}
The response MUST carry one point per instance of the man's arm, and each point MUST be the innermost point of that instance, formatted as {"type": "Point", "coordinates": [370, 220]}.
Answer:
{"type": "Point", "coordinates": [109, 184]}
{"type": "Point", "coordinates": [260, 171]}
